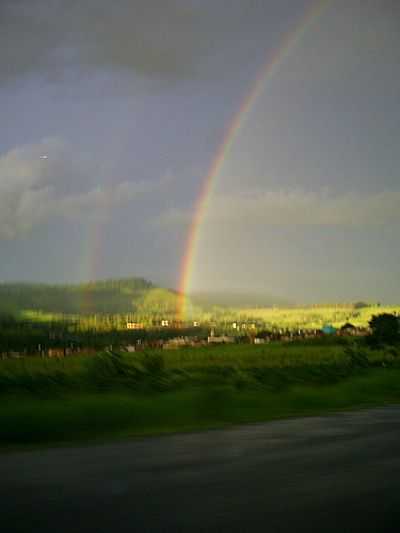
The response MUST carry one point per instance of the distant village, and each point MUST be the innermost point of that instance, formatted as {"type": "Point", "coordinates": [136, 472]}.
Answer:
{"type": "Point", "coordinates": [134, 315]}
{"type": "Point", "coordinates": [172, 335]}
{"type": "Point", "coordinates": [252, 336]}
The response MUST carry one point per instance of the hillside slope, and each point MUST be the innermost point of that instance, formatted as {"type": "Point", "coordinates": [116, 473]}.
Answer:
{"type": "Point", "coordinates": [107, 296]}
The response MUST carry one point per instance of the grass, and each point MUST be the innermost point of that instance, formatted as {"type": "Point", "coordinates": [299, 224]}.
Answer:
{"type": "Point", "coordinates": [270, 355]}
{"type": "Point", "coordinates": [116, 396]}
{"type": "Point", "coordinates": [276, 317]}
{"type": "Point", "coordinates": [316, 317]}
{"type": "Point", "coordinates": [29, 421]}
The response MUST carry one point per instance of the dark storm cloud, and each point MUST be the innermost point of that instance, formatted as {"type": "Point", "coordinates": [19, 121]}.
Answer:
{"type": "Point", "coordinates": [157, 38]}
{"type": "Point", "coordinates": [152, 37]}
{"type": "Point", "coordinates": [164, 38]}
{"type": "Point", "coordinates": [26, 39]}
{"type": "Point", "coordinates": [149, 36]}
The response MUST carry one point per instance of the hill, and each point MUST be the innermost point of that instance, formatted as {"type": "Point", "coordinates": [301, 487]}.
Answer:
{"type": "Point", "coordinates": [236, 299]}
{"type": "Point", "coordinates": [106, 296]}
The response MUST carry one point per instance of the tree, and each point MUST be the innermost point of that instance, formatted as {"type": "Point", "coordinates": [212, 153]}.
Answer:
{"type": "Point", "coordinates": [360, 305]}
{"type": "Point", "coordinates": [385, 329]}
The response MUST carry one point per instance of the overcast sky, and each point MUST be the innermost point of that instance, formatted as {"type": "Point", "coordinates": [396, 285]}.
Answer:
{"type": "Point", "coordinates": [129, 101]}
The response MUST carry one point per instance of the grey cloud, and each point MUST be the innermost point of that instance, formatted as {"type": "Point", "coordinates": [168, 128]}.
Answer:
{"type": "Point", "coordinates": [304, 208]}
{"type": "Point", "coordinates": [33, 189]}
{"type": "Point", "coordinates": [285, 208]}
{"type": "Point", "coordinates": [102, 198]}
{"type": "Point", "coordinates": [170, 39]}
{"type": "Point", "coordinates": [163, 38]}
{"type": "Point", "coordinates": [29, 36]}
{"type": "Point", "coordinates": [173, 217]}
{"type": "Point", "coordinates": [150, 36]}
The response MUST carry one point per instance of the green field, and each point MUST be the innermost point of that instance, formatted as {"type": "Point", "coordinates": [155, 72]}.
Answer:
{"type": "Point", "coordinates": [108, 396]}
{"type": "Point", "coordinates": [317, 317]}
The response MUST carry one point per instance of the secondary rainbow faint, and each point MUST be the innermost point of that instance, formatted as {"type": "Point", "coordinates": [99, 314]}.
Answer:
{"type": "Point", "coordinates": [287, 46]}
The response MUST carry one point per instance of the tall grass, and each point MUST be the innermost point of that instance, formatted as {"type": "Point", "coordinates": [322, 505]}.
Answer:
{"type": "Point", "coordinates": [26, 420]}
{"type": "Point", "coordinates": [119, 395]}
{"type": "Point", "coordinates": [273, 366]}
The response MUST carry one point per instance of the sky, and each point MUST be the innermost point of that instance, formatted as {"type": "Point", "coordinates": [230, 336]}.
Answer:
{"type": "Point", "coordinates": [111, 116]}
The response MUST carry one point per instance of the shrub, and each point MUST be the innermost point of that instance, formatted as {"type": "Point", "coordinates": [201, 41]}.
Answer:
{"type": "Point", "coordinates": [358, 358]}
{"type": "Point", "coordinates": [385, 329]}
{"type": "Point", "coordinates": [107, 367]}
{"type": "Point", "coordinates": [153, 363]}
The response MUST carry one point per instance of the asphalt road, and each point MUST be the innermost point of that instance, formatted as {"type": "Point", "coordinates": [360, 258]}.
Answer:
{"type": "Point", "coordinates": [338, 473]}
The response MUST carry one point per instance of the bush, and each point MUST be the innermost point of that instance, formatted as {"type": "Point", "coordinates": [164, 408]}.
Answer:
{"type": "Point", "coordinates": [153, 363]}
{"type": "Point", "coordinates": [108, 367]}
{"type": "Point", "coordinates": [385, 329]}
{"type": "Point", "coordinates": [358, 358]}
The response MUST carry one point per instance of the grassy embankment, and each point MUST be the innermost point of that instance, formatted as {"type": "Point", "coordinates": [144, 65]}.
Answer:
{"type": "Point", "coordinates": [113, 396]}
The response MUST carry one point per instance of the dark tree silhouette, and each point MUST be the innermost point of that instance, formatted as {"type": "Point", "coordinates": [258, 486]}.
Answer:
{"type": "Point", "coordinates": [385, 329]}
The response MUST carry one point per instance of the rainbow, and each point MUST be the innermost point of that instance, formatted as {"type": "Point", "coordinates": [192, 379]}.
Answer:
{"type": "Point", "coordinates": [268, 70]}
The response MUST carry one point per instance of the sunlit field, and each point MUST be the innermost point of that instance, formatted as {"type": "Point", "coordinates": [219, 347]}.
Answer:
{"type": "Point", "coordinates": [114, 395]}
{"type": "Point", "coordinates": [315, 318]}
{"type": "Point", "coordinates": [289, 318]}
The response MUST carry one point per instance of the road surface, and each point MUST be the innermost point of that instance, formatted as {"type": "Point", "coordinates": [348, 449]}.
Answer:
{"type": "Point", "coordinates": [338, 473]}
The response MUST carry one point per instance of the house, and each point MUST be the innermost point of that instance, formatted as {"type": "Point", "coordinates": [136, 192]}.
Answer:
{"type": "Point", "coordinates": [130, 348]}
{"type": "Point", "coordinates": [222, 339]}
{"type": "Point", "coordinates": [134, 325]}
{"type": "Point", "coordinates": [56, 352]}
{"type": "Point", "coordinates": [177, 342]}
{"type": "Point", "coordinates": [348, 330]}
{"type": "Point", "coordinates": [329, 330]}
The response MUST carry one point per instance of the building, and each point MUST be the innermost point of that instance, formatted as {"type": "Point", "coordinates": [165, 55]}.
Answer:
{"type": "Point", "coordinates": [130, 348]}
{"type": "Point", "coordinates": [56, 352]}
{"type": "Point", "coordinates": [347, 330]}
{"type": "Point", "coordinates": [222, 339]}
{"type": "Point", "coordinates": [134, 325]}
{"type": "Point", "coordinates": [328, 330]}
{"type": "Point", "coordinates": [177, 342]}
